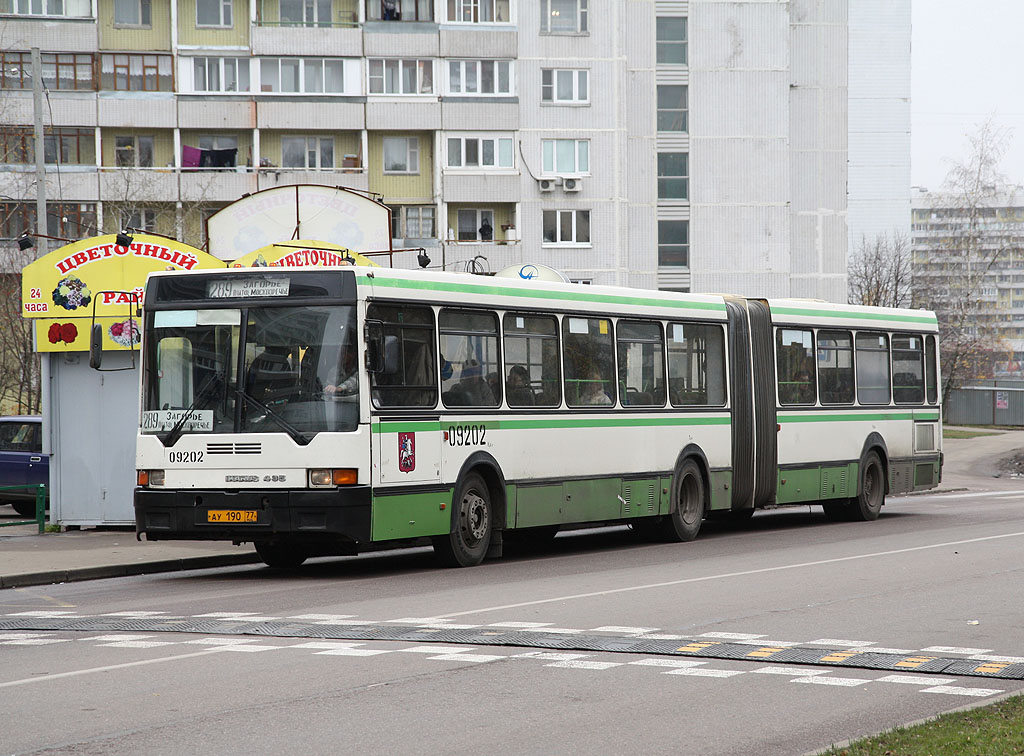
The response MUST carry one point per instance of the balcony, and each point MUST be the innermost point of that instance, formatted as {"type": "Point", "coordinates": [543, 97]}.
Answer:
{"type": "Point", "coordinates": [350, 178]}
{"type": "Point", "coordinates": [216, 184]}
{"type": "Point", "coordinates": [138, 184]}
{"type": "Point", "coordinates": [337, 40]}
{"type": "Point", "coordinates": [71, 33]}
{"type": "Point", "coordinates": [481, 187]}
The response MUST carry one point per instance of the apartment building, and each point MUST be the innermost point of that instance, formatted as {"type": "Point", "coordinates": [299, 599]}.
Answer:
{"type": "Point", "coordinates": [970, 253]}
{"type": "Point", "coordinates": [680, 144]}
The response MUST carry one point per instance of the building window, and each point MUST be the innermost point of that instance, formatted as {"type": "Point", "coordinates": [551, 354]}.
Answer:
{"type": "Point", "coordinates": [401, 155]}
{"type": "Point", "coordinates": [307, 152]}
{"type": "Point", "coordinates": [64, 8]}
{"type": "Point", "coordinates": [671, 40]}
{"type": "Point", "coordinates": [68, 220]}
{"type": "Point", "coordinates": [305, 12]}
{"type": "Point", "coordinates": [68, 146]}
{"type": "Point", "coordinates": [61, 71]}
{"type": "Point", "coordinates": [478, 11]}
{"type": "Point", "coordinates": [673, 244]}
{"type": "Point", "coordinates": [302, 75]}
{"type": "Point", "coordinates": [672, 108]}
{"type": "Point", "coordinates": [213, 13]}
{"type": "Point", "coordinates": [564, 86]}
{"type": "Point", "coordinates": [221, 74]}
{"type": "Point", "coordinates": [218, 151]}
{"type": "Point", "coordinates": [399, 10]}
{"type": "Point", "coordinates": [566, 227]}
{"type": "Point", "coordinates": [401, 77]}
{"type": "Point", "coordinates": [565, 156]}
{"type": "Point", "coordinates": [413, 222]}
{"type": "Point", "coordinates": [136, 73]}
{"type": "Point", "coordinates": [133, 151]}
{"type": "Point", "coordinates": [475, 224]}
{"type": "Point", "coordinates": [139, 219]}
{"type": "Point", "coordinates": [480, 152]}
{"type": "Point", "coordinates": [673, 176]}
{"type": "Point", "coordinates": [133, 13]}
{"type": "Point", "coordinates": [479, 77]}
{"type": "Point", "coordinates": [563, 16]}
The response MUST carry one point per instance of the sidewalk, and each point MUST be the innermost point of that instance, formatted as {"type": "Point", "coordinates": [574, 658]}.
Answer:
{"type": "Point", "coordinates": [27, 558]}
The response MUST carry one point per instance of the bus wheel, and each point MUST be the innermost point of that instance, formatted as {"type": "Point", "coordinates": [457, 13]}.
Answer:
{"type": "Point", "coordinates": [869, 499]}
{"type": "Point", "coordinates": [281, 556]}
{"type": "Point", "coordinates": [683, 523]}
{"type": "Point", "coordinates": [466, 545]}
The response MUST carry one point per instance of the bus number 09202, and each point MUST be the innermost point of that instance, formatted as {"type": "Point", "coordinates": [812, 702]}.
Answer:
{"type": "Point", "coordinates": [466, 435]}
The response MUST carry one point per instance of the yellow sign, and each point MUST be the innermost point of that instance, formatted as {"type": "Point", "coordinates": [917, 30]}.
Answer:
{"type": "Point", "coordinates": [63, 289]}
{"type": "Point", "coordinates": [301, 254]}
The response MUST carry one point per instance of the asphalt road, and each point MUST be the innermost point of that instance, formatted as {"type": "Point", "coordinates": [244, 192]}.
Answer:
{"type": "Point", "coordinates": [934, 572]}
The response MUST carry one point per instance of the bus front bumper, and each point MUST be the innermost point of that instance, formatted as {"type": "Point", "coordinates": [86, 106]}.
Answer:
{"type": "Point", "coordinates": [339, 515]}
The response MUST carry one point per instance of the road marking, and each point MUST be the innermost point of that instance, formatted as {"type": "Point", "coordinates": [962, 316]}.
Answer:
{"type": "Point", "coordinates": [108, 668]}
{"type": "Point", "coordinates": [731, 636]}
{"type": "Point", "coordinates": [839, 642]}
{"type": "Point", "coordinates": [220, 641]}
{"type": "Point", "coordinates": [578, 664]}
{"type": "Point", "coordinates": [546, 656]}
{"type": "Point", "coordinates": [133, 615]}
{"type": "Point", "coordinates": [521, 625]}
{"type": "Point", "coordinates": [843, 682]}
{"type": "Point", "coordinates": [352, 652]}
{"type": "Point", "coordinates": [702, 672]}
{"type": "Point", "coordinates": [672, 663]}
{"type": "Point", "coordinates": [727, 575]}
{"type": "Point", "coordinates": [321, 617]}
{"type": "Point", "coordinates": [789, 671]}
{"type": "Point", "coordinates": [241, 616]}
{"type": "Point", "coordinates": [983, 494]}
{"type": "Point", "coordinates": [437, 649]}
{"type": "Point", "coordinates": [762, 642]}
{"type": "Point", "coordinates": [326, 645]}
{"type": "Point", "coordinates": [116, 637]}
{"type": "Point", "coordinates": [559, 630]}
{"type": "Point", "coordinates": [622, 630]}
{"type": "Point", "coordinates": [40, 614]}
{"type": "Point", "coordinates": [139, 644]}
{"type": "Point", "coordinates": [1009, 659]}
{"type": "Point", "coordinates": [956, 650]}
{"type": "Point", "coordinates": [955, 691]}
{"type": "Point", "coordinates": [880, 650]}
{"type": "Point", "coordinates": [34, 641]}
{"type": "Point", "coordinates": [915, 680]}
{"type": "Point", "coordinates": [476, 658]}
{"type": "Point", "coordinates": [249, 649]}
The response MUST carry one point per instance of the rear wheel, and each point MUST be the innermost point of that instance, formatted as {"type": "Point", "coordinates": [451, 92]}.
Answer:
{"type": "Point", "coordinates": [684, 522]}
{"type": "Point", "coordinates": [281, 556]}
{"type": "Point", "coordinates": [466, 545]}
{"type": "Point", "coordinates": [871, 495]}
{"type": "Point", "coordinates": [24, 508]}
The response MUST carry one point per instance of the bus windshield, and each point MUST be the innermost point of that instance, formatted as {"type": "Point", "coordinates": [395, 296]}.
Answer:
{"type": "Point", "coordinates": [289, 370]}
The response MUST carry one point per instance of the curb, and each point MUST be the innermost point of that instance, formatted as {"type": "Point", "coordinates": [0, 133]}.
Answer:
{"type": "Point", "coordinates": [125, 570]}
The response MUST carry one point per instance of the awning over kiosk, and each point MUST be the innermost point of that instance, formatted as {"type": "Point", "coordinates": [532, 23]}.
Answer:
{"type": "Point", "coordinates": [60, 289]}
{"type": "Point", "coordinates": [302, 254]}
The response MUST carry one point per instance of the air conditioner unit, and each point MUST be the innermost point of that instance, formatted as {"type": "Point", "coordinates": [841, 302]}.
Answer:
{"type": "Point", "coordinates": [572, 184]}
{"type": "Point", "coordinates": [546, 185]}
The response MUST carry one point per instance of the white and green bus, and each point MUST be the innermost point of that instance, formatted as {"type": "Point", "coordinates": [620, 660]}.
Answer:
{"type": "Point", "coordinates": [332, 411]}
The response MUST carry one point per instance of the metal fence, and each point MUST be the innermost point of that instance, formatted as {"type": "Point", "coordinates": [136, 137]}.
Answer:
{"type": "Point", "coordinates": [40, 518]}
{"type": "Point", "coordinates": [989, 402]}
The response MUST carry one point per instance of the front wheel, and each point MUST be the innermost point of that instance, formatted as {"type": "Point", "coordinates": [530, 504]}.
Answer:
{"type": "Point", "coordinates": [871, 495]}
{"type": "Point", "coordinates": [466, 545]}
{"type": "Point", "coordinates": [24, 508]}
{"type": "Point", "coordinates": [684, 522]}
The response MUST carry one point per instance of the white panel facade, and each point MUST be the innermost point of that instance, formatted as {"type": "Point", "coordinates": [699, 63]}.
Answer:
{"type": "Point", "coordinates": [879, 120]}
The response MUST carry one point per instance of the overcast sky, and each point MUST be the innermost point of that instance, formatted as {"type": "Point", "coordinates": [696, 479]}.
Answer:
{"type": "Point", "coordinates": [966, 61]}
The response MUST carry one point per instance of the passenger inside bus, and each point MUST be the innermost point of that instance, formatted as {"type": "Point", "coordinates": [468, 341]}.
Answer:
{"type": "Point", "coordinates": [271, 377]}
{"type": "Point", "coordinates": [471, 390]}
{"type": "Point", "coordinates": [518, 388]}
{"type": "Point", "coordinates": [593, 392]}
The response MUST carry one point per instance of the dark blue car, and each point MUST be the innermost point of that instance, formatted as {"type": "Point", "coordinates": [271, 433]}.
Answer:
{"type": "Point", "coordinates": [22, 462]}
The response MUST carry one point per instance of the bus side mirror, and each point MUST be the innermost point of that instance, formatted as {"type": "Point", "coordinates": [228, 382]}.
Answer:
{"type": "Point", "coordinates": [96, 346]}
{"type": "Point", "coordinates": [375, 347]}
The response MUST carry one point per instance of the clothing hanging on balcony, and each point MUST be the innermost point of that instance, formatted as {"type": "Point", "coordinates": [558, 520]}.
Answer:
{"type": "Point", "coordinates": [190, 156]}
{"type": "Point", "coordinates": [193, 157]}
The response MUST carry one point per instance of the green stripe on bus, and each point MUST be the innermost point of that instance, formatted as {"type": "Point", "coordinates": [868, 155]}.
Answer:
{"type": "Point", "coordinates": [572, 296]}
{"type": "Point", "coordinates": [854, 314]}
{"type": "Point", "coordinates": [543, 423]}
{"type": "Point", "coordinates": [807, 417]}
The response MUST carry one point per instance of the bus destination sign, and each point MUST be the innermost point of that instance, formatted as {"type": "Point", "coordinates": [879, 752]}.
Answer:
{"type": "Point", "coordinates": [231, 288]}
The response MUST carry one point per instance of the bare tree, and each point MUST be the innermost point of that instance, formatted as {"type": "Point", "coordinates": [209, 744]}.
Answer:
{"type": "Point", "coordinates": [879, 274]}
{"type": "Point", "coordinates": [955, 268]}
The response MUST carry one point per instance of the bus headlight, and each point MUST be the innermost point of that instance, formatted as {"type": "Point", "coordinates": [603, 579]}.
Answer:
{"type": "Point", "coordinates": [148, 478]}
{"type": "Point", "coordinates": [330, 478]}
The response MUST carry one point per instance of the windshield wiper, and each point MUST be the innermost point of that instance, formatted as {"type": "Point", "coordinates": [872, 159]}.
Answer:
{"type": "Point", "coordinates": [297, 435]}
{"type": "Point", "coordinates": [204, 393]}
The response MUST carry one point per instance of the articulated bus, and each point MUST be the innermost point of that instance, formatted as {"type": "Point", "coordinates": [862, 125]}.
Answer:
{"type": "Point", "coordinates": [318, 412]}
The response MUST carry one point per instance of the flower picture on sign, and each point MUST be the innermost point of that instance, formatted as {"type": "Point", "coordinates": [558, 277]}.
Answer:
{"type": "Point", "coordinates": [126, 333]}
{"type": "Point", "coordinates": [71, 293]}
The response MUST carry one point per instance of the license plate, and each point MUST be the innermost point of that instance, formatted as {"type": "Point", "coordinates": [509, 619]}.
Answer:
{"type": "Point", "coordinates": [231, 515]}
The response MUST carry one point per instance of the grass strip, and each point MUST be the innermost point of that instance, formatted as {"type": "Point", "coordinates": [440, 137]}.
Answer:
{"type": "Point", "coordinates": [996, 730]}
{"type": "Point", "coordinates": [951, 433]}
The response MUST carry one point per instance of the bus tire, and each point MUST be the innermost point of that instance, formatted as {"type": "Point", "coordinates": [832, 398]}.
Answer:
{"type": "Point", "coordinates": [870, 496]}
{"type": "Point", "coordinates": [280, 556]}
{"type": "Point", "coordinates": [688, 503]}
{"type": "Point", "coordinates": [466, 545]}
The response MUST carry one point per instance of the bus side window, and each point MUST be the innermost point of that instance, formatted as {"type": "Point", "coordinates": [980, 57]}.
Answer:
{"type": "Point", "coordinates": [589, 355]}
{"type": "Point", "coordinates": [641, 364]}
{"type": "Point", "coordinates": [696, 365]}
{"type": "Point", "coordinates": [411, 329]}
{"type": "Point", "coordinates": [531, 360]}
{"type": "Point", "coordinates": [933, 372]}
{"type": "Point", "coordinates": [872, 351]}
{"type": "Point", "coordinates": [835, 367]}
{"type": "Point", "coordinates": [907, 368]}
{"type": "Point", "coordinates": [795, 358]}
{"type": "Point", "coordinates": [470, 362]}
